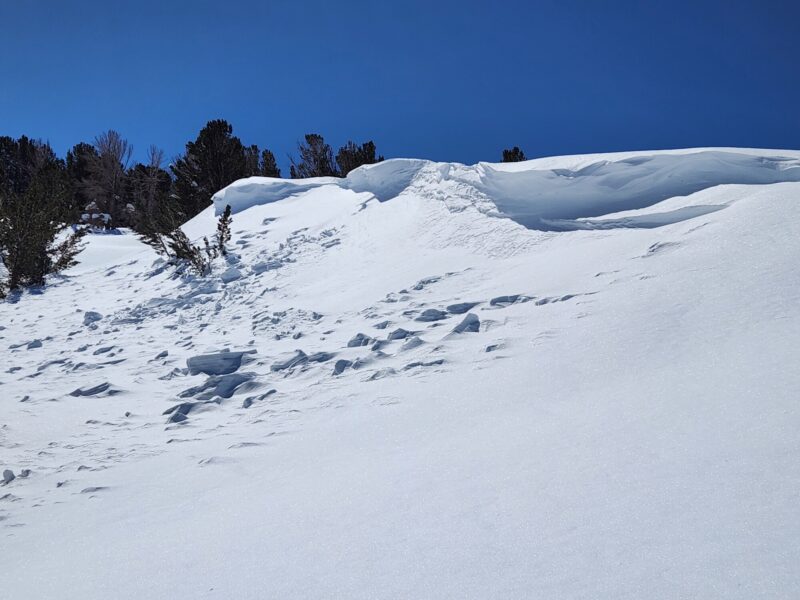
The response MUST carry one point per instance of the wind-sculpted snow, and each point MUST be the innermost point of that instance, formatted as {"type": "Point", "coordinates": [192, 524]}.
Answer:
{"type": "Point", "coordinates": [557, 199]}
{"type": "Point", "coordinates": [534, 197]}
{"type": "Point", "coordinates": [254, 191]}
{"type": "Point", "coordinates": [385, 180]}
{"type": "Point", "coordinates": [390, 387]}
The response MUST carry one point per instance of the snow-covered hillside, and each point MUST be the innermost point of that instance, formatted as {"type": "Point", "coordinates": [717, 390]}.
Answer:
{"type": "Point", "coordinates": [573, 377]}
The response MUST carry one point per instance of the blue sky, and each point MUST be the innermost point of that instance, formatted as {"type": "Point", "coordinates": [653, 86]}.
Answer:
{"type": "Point", "coordinates": [444, 80]}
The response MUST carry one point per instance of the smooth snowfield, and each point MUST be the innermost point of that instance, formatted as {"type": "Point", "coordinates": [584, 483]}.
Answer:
{"type": "Point", "coordinates": [575, 378]}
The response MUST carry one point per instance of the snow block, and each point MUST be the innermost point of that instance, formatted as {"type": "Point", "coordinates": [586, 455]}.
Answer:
{"type": "Point", "coordinates": [470, 324]}
{"type": "Point", "coordinates": [359, 340]}
{"type": "Point", "coordinates": [90, 317]}
{"type": "Point", "coordinates": [341, 365]}
{"type": "Point", "coordinates": [230, 274]}
{"type": "Point", "coordinates": [217, 385]}
{"type": "Point", "coordinates": [431, 314]}
{"type": "Point", "coordinates": [461, 307]}
{"type": "Point", "coordinates": [400, 334]}
{"type": "Point", "coordinates": [298, 358]}
{"type": "Point", "coordinates": [92, 391]}
{"type": "Point", "coordinates": [220, 363]}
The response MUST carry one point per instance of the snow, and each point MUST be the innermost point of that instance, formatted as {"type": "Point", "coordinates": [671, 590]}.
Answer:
{"type": "Point", "coordinates": [540, 193]}
{"type": "Point", "coordinates": [617, 418]}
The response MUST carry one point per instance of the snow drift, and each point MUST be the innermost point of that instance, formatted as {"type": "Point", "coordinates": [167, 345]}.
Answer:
{"type": "Point", "coordinates": [543, 197]}
{"type": "Point", "coordinates": [572, 377]}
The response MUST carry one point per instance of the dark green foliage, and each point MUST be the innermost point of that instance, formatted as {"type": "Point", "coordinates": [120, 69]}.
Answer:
{"type": "Point", "coordinates": [269, 168]}
{"type": "Point", "coordinates": [352, 156]}
{"type": "Point", "coordinates": [19, 160]}
{"type": "Point", "coordinates": [78, 160]}
{"type": "Point", "coordinates": [513, 155]}
{"type": "Point", "coordinates": [184, 251]}
{"type": "Point", "coordinates": [155, 226]}
{"type": "Point", "coordinates": [149, 188]}
{"type": "Point", "coordinates": [214, 160]}
{"type": "Point", "coordinates": [31, 221]}
{"type": "Point", "coordinates": [178, 249]}
{"type": "Point", "coordinates": [316, 159]}
{"type": "Point", "coordinates": [224, 230]}
{"type": "Point", "coordinates": [251, 156]}
{"type": "Point", "coordinates": [106, 184]}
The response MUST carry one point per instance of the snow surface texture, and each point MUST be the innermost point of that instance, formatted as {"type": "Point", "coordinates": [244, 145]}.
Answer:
{"type": "Point", "coordinates": [572, 377]}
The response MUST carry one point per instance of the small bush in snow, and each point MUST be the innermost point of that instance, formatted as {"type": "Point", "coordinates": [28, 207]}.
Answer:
{"type": "Point", "coordinates": [169, 240]}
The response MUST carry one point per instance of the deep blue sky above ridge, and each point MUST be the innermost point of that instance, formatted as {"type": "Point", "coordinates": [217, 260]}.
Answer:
{"type": "Point", "coordinates": [446, 80]}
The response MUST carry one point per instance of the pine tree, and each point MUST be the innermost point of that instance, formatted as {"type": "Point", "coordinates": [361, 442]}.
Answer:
{"type": "Point", "coordinates": [513, 155]}
{"type": "Point", "coordinates": [269, 168]}
{"type": "Point", "coordinates": [351, 156]}
{"type": "Point", "coordinates": [178, 248]}
{"type": "Point", "coordinates": [106, 184]}
{"type": "Point", "coordinates": [149, 189]}
{"type": "Point", "coordinates": [224, 231]}
{"type": "Point", "coordinates": [19, 160]}
{"type": "Point", "coordinates": [214, 160]}
{"type": "Point", "coordinates": [32, 219]}
{"type": "Point", "coordinates": [316, 159]}
{"type": "Point", "coordinates": [251, 157]}
{"type": "Point", "coordinates": [78, 161]}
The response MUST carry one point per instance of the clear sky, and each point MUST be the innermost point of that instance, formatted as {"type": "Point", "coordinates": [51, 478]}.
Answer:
{"type": "Point", "coordinates": [439, 79]}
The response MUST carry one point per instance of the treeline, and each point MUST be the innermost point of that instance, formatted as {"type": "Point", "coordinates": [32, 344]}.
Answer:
{"type": "Point", "coordinates": [98, 186]}
{"type": "Point", "coordinates": [106, 186]}
{"type": "Point", "coordinates": [107, 189]}
{"type": "Point", "coordinates": [47, 204]}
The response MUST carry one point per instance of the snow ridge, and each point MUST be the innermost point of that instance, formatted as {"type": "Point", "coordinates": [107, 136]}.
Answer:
{"type": "Point", "coordinates": [549, 198]}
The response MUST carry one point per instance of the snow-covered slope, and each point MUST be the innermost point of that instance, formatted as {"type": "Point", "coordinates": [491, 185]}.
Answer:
{"type": "Point", "coordinates": [573, 377]}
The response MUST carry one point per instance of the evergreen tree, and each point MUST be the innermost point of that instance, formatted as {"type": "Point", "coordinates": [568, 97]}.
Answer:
{"type": "Point", "coordinates": [19, 160]}
{"type": "Point", "coordinates": [269, 168]}
{"type": "Point", "coordinates": [214, 160]}
{"type": "Point", "coordinates": [352, 156]}
{"type": "Point", "coordinates": [149, 189]}
{"type": "Point", "coordinates": [224, 231]}
{"type": "Point", "coordinates": [175, 245]}
{"type": "Point", "coordinates": [251, 156]}
{"type": "Point", "coordinates": [78, 172]}
{"type": "Point", "coordinates": [513, 155]}
{"type": "Point", "coordinates": [316, 159]}
{"type": "Point", "coordinates": [31, 220]}
{"type": "Point", "coordinates": [107, 184]}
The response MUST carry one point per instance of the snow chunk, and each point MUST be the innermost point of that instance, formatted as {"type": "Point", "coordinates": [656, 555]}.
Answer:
{"type": "Point", "coordinates": [298, 358]}
{"type": "Point", "coordinates": [230, 274]}
{"type": "Point", "coordinates": [470, 324]}
{"type": "Point", "coordinates": [400, 334]}
{"type": "Point", "coordinates": [431, 314]}
{"type": "Point", "coordinates": [90, 317]}
{"type": "Point", "coordinates": [359, 340]}
{"type": "Point", "coordinates": [220, 363]}
{"type": "Point", "coordinates": [218, 385]}
{"type": "Point", "coordinates": [461, 307]}
{"type": "Point", "coordinates": [101, 388]}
